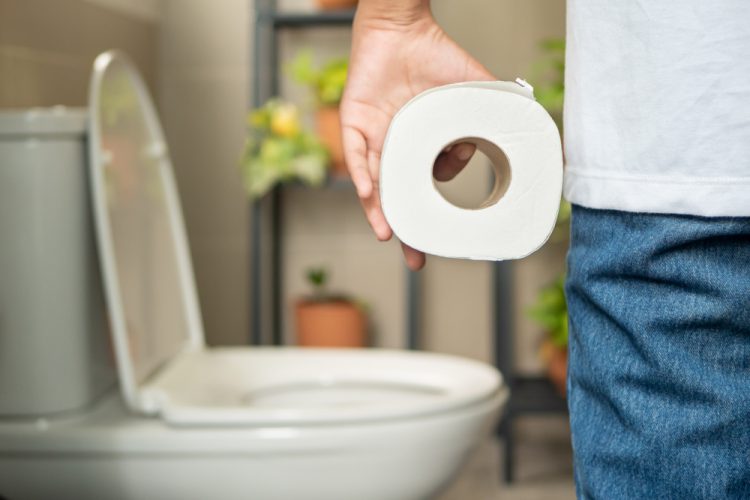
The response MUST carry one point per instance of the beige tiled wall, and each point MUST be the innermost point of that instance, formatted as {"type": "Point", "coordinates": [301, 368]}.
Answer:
{"type": "Point", "coordinates": [47, 48]}
{"type": "Point", "coordinates": [203, 95]}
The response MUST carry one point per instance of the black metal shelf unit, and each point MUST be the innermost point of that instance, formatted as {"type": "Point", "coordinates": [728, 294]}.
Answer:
{"type": "Point", "coordinates": [314, 19]}
{"type": "Point", "coordinates": [267, 213]}
{"type": "Point", "coordinates": [529, 395]}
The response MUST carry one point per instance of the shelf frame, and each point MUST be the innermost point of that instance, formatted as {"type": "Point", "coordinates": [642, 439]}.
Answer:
{"type": "Point", "coordinates": [266, 216]}
{"type": "Point", "coordinates": [529, 395]}
{"type": "Point", "coordinates": [310, 19]}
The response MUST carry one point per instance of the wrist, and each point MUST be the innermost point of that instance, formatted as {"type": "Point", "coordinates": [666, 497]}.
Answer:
{"type": "Point", "coordinates": [391, 14]}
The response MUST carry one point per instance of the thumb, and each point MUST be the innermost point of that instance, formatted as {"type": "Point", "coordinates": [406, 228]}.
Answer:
{"type": "Point", "coordinates": [451, 161]}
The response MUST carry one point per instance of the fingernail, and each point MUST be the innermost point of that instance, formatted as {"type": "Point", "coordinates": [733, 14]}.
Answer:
{"type": "Point", "coordinates": [382, 233]}
{"type": "Point", "coordinates": [464, 151]}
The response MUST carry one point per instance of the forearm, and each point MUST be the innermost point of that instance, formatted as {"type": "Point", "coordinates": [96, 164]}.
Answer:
{"type": "Point", "coordinates": [393, 13]}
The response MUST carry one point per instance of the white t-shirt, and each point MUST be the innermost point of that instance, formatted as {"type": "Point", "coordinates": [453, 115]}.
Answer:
{"type": "Point", "coordinates": [657, 106]}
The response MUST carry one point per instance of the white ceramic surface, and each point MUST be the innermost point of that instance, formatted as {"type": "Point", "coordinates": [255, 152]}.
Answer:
{"type": "Point", "coordinates": [290, 386]}
{"type": "Point", "coordinates": [52, 317]}
{"type": "Point", "coordinates": [112, 454]}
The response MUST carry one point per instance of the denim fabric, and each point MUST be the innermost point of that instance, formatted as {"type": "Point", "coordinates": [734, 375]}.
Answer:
{"type": "Point", "coordinates": [659, 361]}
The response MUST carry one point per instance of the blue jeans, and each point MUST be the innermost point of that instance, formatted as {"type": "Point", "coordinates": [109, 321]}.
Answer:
{"type": "Point", "coordinates": [659, 360]}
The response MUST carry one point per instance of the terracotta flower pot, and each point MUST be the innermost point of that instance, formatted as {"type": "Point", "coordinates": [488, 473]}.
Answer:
{"type": "Point", "coordinates": [556, 359]}
{"type": "Point", "coordinates": [335, 4]}
{"type": "Point", "coordinates": [329, 131]}
{"type": "Point", "coordinates": [330, 324]}
{"type": "Point", "coordinates": [557, 370]}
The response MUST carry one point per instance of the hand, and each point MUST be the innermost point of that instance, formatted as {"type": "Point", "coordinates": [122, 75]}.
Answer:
{"type": "Point", "coordinates": [397, 52]}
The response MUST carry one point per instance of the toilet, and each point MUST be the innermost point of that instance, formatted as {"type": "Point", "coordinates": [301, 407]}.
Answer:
{"type": "Point", "coordinates": [186, 420]}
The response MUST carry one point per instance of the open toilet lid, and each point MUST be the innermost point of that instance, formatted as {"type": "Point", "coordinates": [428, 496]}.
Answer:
{"type": "Point", "coordinates": [148, 277]}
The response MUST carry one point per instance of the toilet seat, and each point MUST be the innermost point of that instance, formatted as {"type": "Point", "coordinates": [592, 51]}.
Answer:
{"type": "Point", "coordinates": [288, 386]}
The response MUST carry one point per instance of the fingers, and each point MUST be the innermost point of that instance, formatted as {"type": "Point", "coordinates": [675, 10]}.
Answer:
{"type": "Point", "coordinates": [355, 156]}
{"type": "Point", "coordinates": [415, 259]}
{"type": "Point", "coordinates": [364, 177]}
{"type": "Point", "coordinates": [451, 161]}
{"type": "Point", "coordinates": [364, 169]}
{"type": "Point", "coordinates": [371, 204]}
{"type": "Point", "coordinates": [375, 217]}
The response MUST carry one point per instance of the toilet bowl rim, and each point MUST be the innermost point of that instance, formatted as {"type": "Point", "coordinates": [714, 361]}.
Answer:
{"type": "Point", "coordinates": [179, 394]}
{"type": "Point", "coordinates": [163, 440]}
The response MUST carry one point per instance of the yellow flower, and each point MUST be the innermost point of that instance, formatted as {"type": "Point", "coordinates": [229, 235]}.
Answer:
{"type": "Point", "coordinates": [285, 120]}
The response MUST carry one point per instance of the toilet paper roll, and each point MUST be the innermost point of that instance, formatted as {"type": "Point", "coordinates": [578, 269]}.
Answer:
{"type": "Point", "coordinates": [521, 140]}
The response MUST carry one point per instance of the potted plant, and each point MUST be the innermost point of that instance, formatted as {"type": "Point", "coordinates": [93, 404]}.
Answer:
{"type": "Point", "coordinates": [327, 84]}
{"type": "Point", "coordinates": [278, 150]}
{"type": "Point", "coordinates": [335, 4]}
{"type": "Point", "coordinates": [329, 320]}
{"type": "Point", "coordinates": [550, 309]}
{"type": "Point", "coordinates": [551, 312]}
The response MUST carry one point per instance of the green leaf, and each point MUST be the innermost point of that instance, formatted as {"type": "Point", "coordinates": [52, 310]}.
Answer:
{"type": "Point", "coordinates": [563, 215]}
{"type": "Point", "coordinates": [259, 119]}
{"type": "Point", "coordinates": [301, 68]}
{"type": "Point", "coordinates": [332, 81]}
{"type": "Point", "coordinates": [259, 178]}
{"type": "Point", "coordinates": [327, 83]}
{"type": "Point", "coordinates": [270, 159]}
{"type": "Point", "coordinates": [548, 75]}
{"type": "Point", "coordinates": [317, 277]}
{"type": "Point", "coordinates": [311, 169]}
{"type": "Point", "coordinates": [550, 311]}
{"type": "Point", "coordinates": [553, 45]}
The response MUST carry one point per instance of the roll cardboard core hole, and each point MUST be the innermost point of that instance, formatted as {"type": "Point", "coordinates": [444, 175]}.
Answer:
{"type": "Point", "coordinates": [482, 182]}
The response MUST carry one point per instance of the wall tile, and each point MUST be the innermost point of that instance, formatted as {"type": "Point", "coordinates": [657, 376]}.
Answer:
{"type": "Point", "coordinates": [199, 33]}
{"type": "Point", "coordinates": [49, 47]}
{"type": "Point", "coordinates": [204, 90]}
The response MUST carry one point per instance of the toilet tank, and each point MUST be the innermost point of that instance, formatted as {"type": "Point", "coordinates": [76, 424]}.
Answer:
{"type": "Point", "coordinates": [54, 340]}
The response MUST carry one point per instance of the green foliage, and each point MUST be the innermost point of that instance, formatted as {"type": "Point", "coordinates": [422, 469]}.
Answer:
{"type": "Point", "coordinates": [551, 312]}
{"type": "Point", "coordinates": [278, 150]}
{"type": "Point", "coordinates": [327, 82]}
{"type": "Point", "coordinates": [562, 226]}
{"type": "Point", "coordinates": [317, 277]}
{"type": "Point", "coordinates": [548, 78]}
